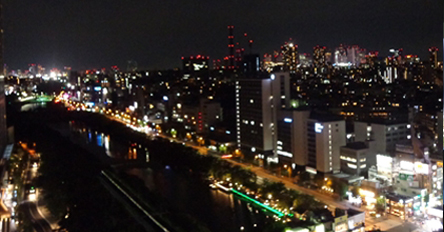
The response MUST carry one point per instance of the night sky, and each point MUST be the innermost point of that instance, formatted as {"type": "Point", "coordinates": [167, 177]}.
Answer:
{"type": "Point", "coordinates": [88, 34]}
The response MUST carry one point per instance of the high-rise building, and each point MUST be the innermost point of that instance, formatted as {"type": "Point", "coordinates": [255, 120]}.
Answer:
{"type": "Point", "coordinates": [325, 137]}
{"type": "Point", "coordinates": [385, 134]}
{"type": "Point", "coordinates": [305, 60]}
{"type": "Point", "coordinates": [396, 56]}
{"type": "Point", "coordinates": [251, 64]}
{"type": "Point", "coordinates": [258, 101]}
{"type": "Point", "coordinates": [371, 58]}
{"type": "Point", "coordinates": [340, 56]}
{"type": "Point", "coordinates": [3, 131]}
{"type": "Point", "coordinates": [195, 64]}
{"type": "Point", "coordinates": [440, 132]}
{"type": "Point", "coordinates": [358, 157]}
{"type": "Point", "coordinates": [290, 56]}
{"type": "Point", "coordinates": [292, 138]}
{"type": "Point", "coordinates": [319, 60]}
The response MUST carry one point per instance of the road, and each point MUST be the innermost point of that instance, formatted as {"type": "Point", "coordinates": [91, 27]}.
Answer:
{"type": "Point", "coordinates": [29, 205]}
{"type": "Point", "coordinates": [386, 223]}
{"type": "Point", "coordinates": [29, 208]}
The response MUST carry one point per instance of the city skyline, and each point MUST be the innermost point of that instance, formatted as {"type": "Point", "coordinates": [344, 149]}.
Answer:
{"type": "Point", "coordinates": [156, 35]}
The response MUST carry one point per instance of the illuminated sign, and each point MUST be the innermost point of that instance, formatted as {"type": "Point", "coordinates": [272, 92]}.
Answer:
{"type": "Point", "coordinates": [341, 223]}
{"type": "Point", "coordinates": [320, 228]}
{"type": "Point", "coordinates": [406, 165]}
{"type": "Point", "coordinates": [284, 153]}
{"type": "Point", "coordinates": [384, 161]}
{"type": "Point", "coordinates": [97, 88]}
{"type": "Point", "coordinates": [288, 120]}
{"type": "Point", "coordinates": [311, 170]}
{"type": "Point", "coordinates": [421, 168]}
{"type": "Point", "coordinates": [318, 128]}
{"type": "Point", "coordinates": [273, 159]}
{"type": "Point", "coordinates": [406, 177]}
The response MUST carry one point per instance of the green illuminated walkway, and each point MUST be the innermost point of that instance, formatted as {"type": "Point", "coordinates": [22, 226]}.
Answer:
{"type": "Point", "coordinates": [280, 214]}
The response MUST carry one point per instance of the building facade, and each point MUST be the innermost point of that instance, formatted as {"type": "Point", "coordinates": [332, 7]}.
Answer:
{"type": "Point", "coordinates": [258, 101]}
{"type": "Point", "coordinates": [385, 135]}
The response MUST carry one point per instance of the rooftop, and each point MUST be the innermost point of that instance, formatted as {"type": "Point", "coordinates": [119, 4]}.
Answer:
{"type": "Point", "coordinates": [383, 121]}
{"type": "Point", "coordinates": [356, 145]}
{"type": "Point", "coordinates": [325, 117]}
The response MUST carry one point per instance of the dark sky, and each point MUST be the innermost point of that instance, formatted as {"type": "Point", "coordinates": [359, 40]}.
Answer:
{"type": "Point", "coordinates": [94, 34]}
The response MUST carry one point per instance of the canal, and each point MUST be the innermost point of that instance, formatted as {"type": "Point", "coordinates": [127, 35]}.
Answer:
{"type": "Point", "coordinates": [187, 194]}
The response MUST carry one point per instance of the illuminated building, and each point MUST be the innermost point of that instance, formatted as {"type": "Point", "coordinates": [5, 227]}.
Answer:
{"type": "Point", "coordinates": [401, 206]}
{"type": "Point", "coordinates": [199, 116]}
{"type": "Point", "coordinates": [395, 57]}
{"type": "Point", "coordinates": [290, 56]}
{"type": "Point", "coordinates": [325, 136]}
{"type": "Point", "coordinates": [291, 144]}
{"type": "Point", "coordinates": [258, 100]}
{"type": "Point", "coordinates": [195, 64]}
{"type": "Point", "coordinates": [385, 134]}
{"type": "Point", "coordinates": [385, 166]}
{"type": "Point", "coordinates": [371, 58]}
{"type": "Point", "coordinates": [319, 60]}
{"type": "Point", "coordinates": [439, 131]}
{"type": "Point", "coordinates": [351, 220]}
{"type": "Point", "coordinates": [272, 61]}
{"type": "Point", "coordinates": [305, 60]}
{"type": "Point", "coordinates": [251, 64]}
{"type": "Point", "coordinates": [411, 59]}
{"type": "Point", "coordinates": [412, 176]}
{"type": "Point", "coordinates": [340, 56]}
{"type": "Point", "coordinates": [309, 140]}
{"type": "Point", "coordinates": [355, 55]}
{"type": "Point", "coordinates": [210, 113]}
{"type": "Point", "coordinates": [357, 157]}
{"type": "Point", "coordinates": [3, 131]}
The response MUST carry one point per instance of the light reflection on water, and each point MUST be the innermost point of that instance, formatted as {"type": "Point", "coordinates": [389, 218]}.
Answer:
{"type": "Point", "coordinates": [220, 211]}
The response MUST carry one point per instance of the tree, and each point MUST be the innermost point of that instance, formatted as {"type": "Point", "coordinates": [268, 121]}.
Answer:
{"type": "Point", "coordinates": [319, 180]}
{"type": "Point", "coordinates": [380, 204]}
{"type": "Point", "coordinates": [304, 177]}
{"type": "Point", "coordinates": [355, 191]}
{"type": "Point", "coordinates": [340, 188]}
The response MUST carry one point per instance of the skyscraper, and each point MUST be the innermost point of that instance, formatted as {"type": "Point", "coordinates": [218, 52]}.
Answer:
{"type": "Point", "coordinates": [258, 102]}
{"type": "Point", "coordinates": [290, 56]}
{"type": "Point", "coordinates": [340, 56]}
{"type": "Point", "coordinates": [319, 58]}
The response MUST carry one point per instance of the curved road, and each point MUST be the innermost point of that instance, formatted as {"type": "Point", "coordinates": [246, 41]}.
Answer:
{"type": "Point", "coordinates": [39, 223]}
